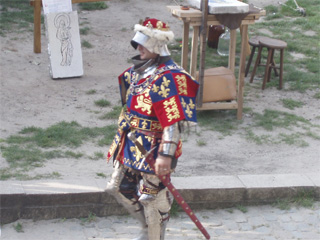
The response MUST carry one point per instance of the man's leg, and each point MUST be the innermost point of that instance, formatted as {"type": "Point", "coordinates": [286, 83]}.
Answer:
{"type": "Point", "coordinates": [123, 186]}
{"type": "Point", "coordinates": [157, 201]}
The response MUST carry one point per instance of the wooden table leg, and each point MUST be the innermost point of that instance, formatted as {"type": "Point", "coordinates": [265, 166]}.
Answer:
{"type": "Point", "coordinates": [232, 49]}
{"type": "Point", "coordinates": [185, 48]}
{"type": "Point", "coordinates": [244, 40]}
{"type": "Point", "coordinates": [194, 51]}
{"type": "Point", "coordinates": [37, 26]}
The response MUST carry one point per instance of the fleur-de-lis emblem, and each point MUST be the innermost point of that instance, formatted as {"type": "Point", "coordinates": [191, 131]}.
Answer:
{"type": "Point", "coordinates": [188, 107]}
{"type": "Point", "coordinates": [166, 82]}
{"type": "Point", "coordinates": [155, 88]}
{"type": "Point", "coordinates": [164, 91]}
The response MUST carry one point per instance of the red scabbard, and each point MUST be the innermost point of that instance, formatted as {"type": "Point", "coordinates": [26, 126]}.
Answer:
{"type": "Point", "coordinates": [165, 179]}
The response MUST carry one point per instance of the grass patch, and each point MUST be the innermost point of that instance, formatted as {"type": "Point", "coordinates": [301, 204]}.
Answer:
{"type": "Point", "coordinates": [201, 142]}
{"type": "Point", "coordinates": [60, 134]}
{"type": "Point", "coordinates": [70, 134]}
{"type": "Point", "coordinates": [175, 209]}
{"type": "Point", "coordinates": [91, 92]}
{"type": "Point", "coordinates": [113, 114]}
{"type": "Point", "coordinates": [294, 128]}
{"type": "Point", "coordinates": [84, 30]}
{"type": "Point", "coordinates": [102, 103]}
{"type": "Point", "coordinates": [242, 208]}
{"type": "Point", "coordinates": [22, 175]}
{"type": "Point", "coordinates": [15, 16]}
{"type": "Point", "coordinates": [97, 156]}
{"type": "Point", "coordinates": [33, 146]}
{"type": "Point", "coordinates": [288, 25]}
{"type": "Point", "coordinates": [91, 218]}
{"type": "Point", "coordinates": [91, 6]}
{"type": "Point", "coordinates": [291, 104]}
{"type": "Point", "coordinates": [305, 198]}
{"type": "Point", "coordinates": [272, 118]}
{"type": "Point", "coordinates": [101, 175]}
{"type": "Point", "coordinates": [220, 121]}
{"type": "Point", "coordinates": [18, 227]}
{"type": "Point", "coordinates": [258, 139]}
{"type": "Point", "coordinates": [317, 95]}
{"type": "Point", "coordinates": [293, 139]}
{"type": "Point", "coordinates": [86, 44]}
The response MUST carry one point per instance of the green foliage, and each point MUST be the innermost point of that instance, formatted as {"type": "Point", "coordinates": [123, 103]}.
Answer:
{"type": "Point", "coordinates": [273, 12]}
{"type": "Point", "coordinates": [175, 209]}
{"type": "Point", "coordinates": [97, 156]}
{"type": "Point", "coordinates": [91, 6]}
{"type": "Point", "coordinates": [258, 139]}
{"type": "Point", "coordinates": [30, 148]}
{"type": "Point", "coordinates": [15, 16]}
{"type": "Point", "coordinates": [242, 208]}
{"type": "Point", "coordinates": [291, 104]}
{"type": "Point", "coordinates": [113, 114]}
{"type": "Point", "coordinates": [84, 31]}
{"type": "Point", "coordinates": [289, 25]}
{"type": "Point", "coordinates": [293, 139]}
{"type": "Point", "coordinates": [91, 218]}
{"type": "Point", "coordinates": [272, 118]}
{"type": "Point", "coordinates": [201, 142]}
{"type": "Point", "coordinates": [18, 227]}
{"type": "Point", "coordinates": [220, 121]}
{"type": "Point", "coordinates": [60, 134]}
{"type": "Point", "coordinates": [101, 175]}
{"type": "Point", "coordinates": [317, 95]}
{"type": "Point", "coordinates": [86, 44]}
{"type": "Point", "coordinates": [91, 92]}
{"type": "Point", "coordinates": [304, 198]}
{"type": "Point", "coordinates": [102, 103]}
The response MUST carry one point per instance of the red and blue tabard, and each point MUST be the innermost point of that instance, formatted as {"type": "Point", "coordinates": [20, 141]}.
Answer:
{"type": "Point", "coordinates": [165, 97]}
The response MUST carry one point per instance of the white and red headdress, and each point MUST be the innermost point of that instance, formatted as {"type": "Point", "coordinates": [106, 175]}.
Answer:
{"type": "Point", "coordinates": [153, 35]}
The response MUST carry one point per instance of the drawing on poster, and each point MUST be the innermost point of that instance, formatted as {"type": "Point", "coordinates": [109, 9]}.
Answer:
{"type": "Point", "coordinates": [62, 22]}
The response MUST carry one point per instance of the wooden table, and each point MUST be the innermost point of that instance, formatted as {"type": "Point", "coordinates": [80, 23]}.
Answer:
{"type": "Point", "coordinates": [37, 21]}
{"type": "Point", "coordinates": [193, 17]}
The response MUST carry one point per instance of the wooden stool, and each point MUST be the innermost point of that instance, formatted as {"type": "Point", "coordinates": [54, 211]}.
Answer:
{"type": "Point", "coordinates": [254, 42]}
{"type": "Point", "coordinates": [271, 44]}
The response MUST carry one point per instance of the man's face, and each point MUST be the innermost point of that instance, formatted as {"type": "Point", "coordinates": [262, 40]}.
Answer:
{"type": "Point", "coordinates": [145, 54]}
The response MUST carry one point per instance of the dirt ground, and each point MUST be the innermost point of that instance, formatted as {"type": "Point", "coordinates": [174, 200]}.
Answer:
{"type": "Point", "coordinates": [29, 97]}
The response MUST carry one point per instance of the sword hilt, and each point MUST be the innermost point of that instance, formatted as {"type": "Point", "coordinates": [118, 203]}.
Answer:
{"type": "Point", "coordinates": [133, 138]}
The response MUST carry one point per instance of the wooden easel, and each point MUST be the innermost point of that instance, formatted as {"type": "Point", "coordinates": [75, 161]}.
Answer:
{"type": "Point", "coordinates": [37, 4]}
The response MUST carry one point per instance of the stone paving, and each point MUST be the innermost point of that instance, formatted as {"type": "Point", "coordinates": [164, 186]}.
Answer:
{"type": "Point", "coordinates": [258, 222]}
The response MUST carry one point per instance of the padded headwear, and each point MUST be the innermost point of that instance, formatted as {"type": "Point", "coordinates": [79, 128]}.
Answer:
{"type": "Point", "coordinates": [153, 35]}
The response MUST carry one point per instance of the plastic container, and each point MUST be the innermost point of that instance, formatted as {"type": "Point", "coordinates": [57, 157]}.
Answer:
{"type": "Point", "coordinates": [224, 42]}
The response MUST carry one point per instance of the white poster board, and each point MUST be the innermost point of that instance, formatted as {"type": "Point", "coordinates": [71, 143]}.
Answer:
{"type": "Point", "coordinates": [54, 6]}
{"type": "Point", "coordinates": [64, 45]}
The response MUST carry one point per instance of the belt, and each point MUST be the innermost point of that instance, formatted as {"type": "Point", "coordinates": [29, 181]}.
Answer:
{"type": "Point", "coordinates": [146, 124]}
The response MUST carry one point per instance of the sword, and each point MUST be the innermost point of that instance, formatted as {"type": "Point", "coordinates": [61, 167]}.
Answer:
{"type": "Point", "coordinates": [165, 179]}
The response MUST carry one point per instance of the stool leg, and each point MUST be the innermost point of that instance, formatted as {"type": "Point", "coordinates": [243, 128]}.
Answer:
{"type": "Point", "coordinates": [250, 60]}
{"type": "Point", "coordinates": [267, 69]}
{"type": "Point", "coordinates": [256, 64]}
{"type": "Point", "coordinates": [281, 68]}
{"type": "Point", "coordinates": [275, 68]}
{"type": "Point", "coordinates": [271, 65]}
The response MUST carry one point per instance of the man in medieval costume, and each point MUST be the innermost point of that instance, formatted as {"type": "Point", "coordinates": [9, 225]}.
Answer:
{"type": "Point", "coordinates": [158, 96]}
